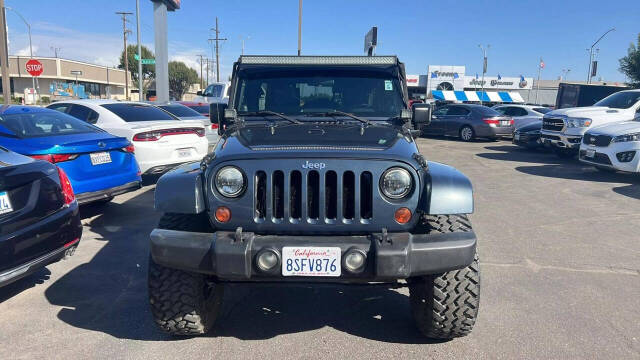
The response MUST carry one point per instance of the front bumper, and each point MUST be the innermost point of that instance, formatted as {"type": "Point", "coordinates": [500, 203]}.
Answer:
{"type": "Point", "coordinates": [84, 198]}
{"type": "Point", "coordinates": [230, 256]}
{"type": "Point", "coordinates": [527, 139]}
{"type": "Point", "coordinates": [607, 156]}
{"type": "Point", "coordinates": [560, 140]}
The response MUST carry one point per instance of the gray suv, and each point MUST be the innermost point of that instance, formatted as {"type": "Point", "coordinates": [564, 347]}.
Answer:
{"type": "Point", "coordinates": [317, 179]}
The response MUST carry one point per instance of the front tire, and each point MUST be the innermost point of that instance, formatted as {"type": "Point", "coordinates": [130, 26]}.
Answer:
{"type": "Point", "coordinates": [466, 133]}
{"type": "Point", "coordinates": [446, 305]}
{"type": "Point", "coordinates": [182, 302]}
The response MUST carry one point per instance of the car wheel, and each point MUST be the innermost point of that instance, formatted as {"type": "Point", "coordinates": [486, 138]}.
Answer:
{"type": "Point", "coordinates": [467, 133]}
{"type": "Point", "coordinates": [182, 302]}
{"type": "Point", "coordinates": [446, 305]}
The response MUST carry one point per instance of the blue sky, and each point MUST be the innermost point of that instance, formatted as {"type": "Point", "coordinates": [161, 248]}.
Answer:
{"type": "Point", "coordinates": [420, 32]}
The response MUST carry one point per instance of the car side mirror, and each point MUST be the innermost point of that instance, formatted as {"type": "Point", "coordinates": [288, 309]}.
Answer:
{"type": "Point", "coordinates": [199, 93]}
{"type": "Point", "coordinates": [216, 115]}
{"type": "Point", "coordinates": [422, 114]}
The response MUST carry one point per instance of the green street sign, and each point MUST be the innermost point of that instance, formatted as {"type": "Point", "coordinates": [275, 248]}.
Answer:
{"type": "Point", "coordinates": [145, 61]}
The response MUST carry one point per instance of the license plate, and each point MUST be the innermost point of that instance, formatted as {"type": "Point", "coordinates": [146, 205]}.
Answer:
{"type": "Point", "coordinates": [516, 137]}
{"type": "Point", "coordinates": [311, 261]}
{"type": "Point", "coordinates": [505, 123]}
{"type": "Point", "coordinates": [590, 153]}
{"type": "Point", "coordinates": [183, 153]}
{"type": "Point", "coordinates": [100, 158]}
{"type": "Point", "coordinates": [5, 204]}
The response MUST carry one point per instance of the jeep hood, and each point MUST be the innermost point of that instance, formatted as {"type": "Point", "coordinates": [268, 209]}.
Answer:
{"type": "Point", "coordinates": [316, 140]}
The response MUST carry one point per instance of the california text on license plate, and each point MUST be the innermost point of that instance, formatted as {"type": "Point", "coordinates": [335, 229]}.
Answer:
{"type": "Point", "coordinates": [184, 153]}
{"type": "Point", "coordinates": [100, 158]}
{"type": "Point", "coordinates": [505, 123]}
{"type": "Point", "coordinates": [5, 204]}
{"type": "Point", "coordinates": [590, 153]}
{"type": "Point", "coordinates": [311, 261]}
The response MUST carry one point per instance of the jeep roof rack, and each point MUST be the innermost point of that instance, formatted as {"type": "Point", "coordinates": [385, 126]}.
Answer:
{"type": "Point", "coordinates": [318, 60]}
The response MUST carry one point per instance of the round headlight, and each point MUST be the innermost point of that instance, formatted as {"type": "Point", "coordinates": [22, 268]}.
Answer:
{"type": "Point", "coordinates": [396, 183]}
{"type": "Point", "coordinates": [229, 181]}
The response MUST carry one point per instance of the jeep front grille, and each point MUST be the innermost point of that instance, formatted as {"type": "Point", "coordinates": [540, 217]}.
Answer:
{"type": "Point", "coordinates": [552, 124]}
{"type": "Point", "coordinates": [313, 196]}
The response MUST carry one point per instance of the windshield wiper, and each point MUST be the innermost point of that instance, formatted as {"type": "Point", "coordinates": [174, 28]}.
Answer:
{"type": "Point", "coordinates": [265, 113]}
{"type": "Point", "coordinates": [337, 112]}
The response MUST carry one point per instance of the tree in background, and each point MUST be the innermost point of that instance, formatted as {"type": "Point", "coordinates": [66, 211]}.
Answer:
{"type": "Point", "coordinates": [148, 71]}
{"type": "Point", "coordinates": [630, 64]}
{"type": "Point", "coordinates": [180, 78]}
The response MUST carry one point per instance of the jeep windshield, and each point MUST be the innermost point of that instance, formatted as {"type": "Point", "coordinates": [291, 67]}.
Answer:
{"type": "Point", "coordinates": [371, 94]}
{"type": "Point", "coordinates": [620, 100]}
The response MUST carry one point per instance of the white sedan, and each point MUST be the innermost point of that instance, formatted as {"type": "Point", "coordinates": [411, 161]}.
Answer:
{"type": "Point", "coordinates": [522, 114]}
{"type": "Point", "coordinates": [613, 147]}
{"type": "Point", "coordinates": [161, 141]}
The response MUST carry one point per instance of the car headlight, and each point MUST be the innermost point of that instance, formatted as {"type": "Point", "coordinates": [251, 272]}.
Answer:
{"type": "Point", "coordinates": [627, 137]}
{"type": "Point", "coordinates": [396, 183]}
{"type": "Point", "coordinates": [578, 122]}
{"type": "Point", "coordinates": [229, 181]}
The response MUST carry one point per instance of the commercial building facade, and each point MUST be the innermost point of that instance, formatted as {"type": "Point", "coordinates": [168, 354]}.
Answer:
{"type": "Point", "coordinates": [58, 82]}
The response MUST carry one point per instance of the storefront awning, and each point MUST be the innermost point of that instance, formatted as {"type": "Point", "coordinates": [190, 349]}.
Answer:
{"type": "Point", "coordinates": [477, 96]}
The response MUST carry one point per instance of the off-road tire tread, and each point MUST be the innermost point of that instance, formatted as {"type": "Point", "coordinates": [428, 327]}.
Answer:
{"type": "Point", "coordinates": [183, 303]}
{"type": "Point", "coordinates": [446, 305]}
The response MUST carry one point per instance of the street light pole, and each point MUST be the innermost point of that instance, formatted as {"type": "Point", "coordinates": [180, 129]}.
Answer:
{"type": "Point", "coordinates": [299, 27]}
{"type": "Point", "coordinates": [33, 78]}
{"type": "Point", "coordinates": [140, 83]}
{"type": "Point", "coordinates": [591, 53]}
{"type": "Point", "coordinates": [484, 69]}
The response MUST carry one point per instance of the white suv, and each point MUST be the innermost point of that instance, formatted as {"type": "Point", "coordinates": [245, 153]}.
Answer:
{"type": "Point", "coordinates": [563, 129]}
{"type": "Point", "coordinates": [161, 141]}
{"type": "Point", "coordinates": [613, 147]}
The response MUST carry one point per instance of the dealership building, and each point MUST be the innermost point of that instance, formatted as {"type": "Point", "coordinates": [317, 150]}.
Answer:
{"type": "Point", "coordinates": [63, 79]}
{"type": "Point", "coordinates": [451, 83]}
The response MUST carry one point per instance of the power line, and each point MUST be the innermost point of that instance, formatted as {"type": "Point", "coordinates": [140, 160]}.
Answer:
{"type": "Point", "coordinates": [126, 57]}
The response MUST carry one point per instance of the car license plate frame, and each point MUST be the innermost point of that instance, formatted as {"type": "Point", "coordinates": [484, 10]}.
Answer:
{"type": "Point", "coordinates": [590, 153]}
{"type": "Point", "coordinates": [100, 158]}
{"type": "Point", "coordinates": [516, 136]}
{"type": "Point", "coordinates": [311, 261]}
{"type": "Point", "coordinates": [184, 153]}
{"type": "Point", "coordinates": [5, 203]}
{"type": "Point", "coordinates": [505, 122]}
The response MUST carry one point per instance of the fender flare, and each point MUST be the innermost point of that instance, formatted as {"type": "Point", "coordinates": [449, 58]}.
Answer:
{"type": "Point", "coordinates": [447, 191]}
{"type": "Point", "coordinates": [181, 190]}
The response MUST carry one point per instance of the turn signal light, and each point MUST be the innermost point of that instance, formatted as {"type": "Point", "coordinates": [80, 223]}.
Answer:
{"type": "Point", "coordinates": [403, 215]}
{"type": "Point", "coordinates": [223, 214]}
{"type": "Point", "coordinates": [66, 188]}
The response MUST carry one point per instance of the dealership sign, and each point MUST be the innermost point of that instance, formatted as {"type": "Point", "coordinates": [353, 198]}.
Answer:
{"type": "Point", "coordinates": [496, 82]}
{"type": "Point", "coordinates": [34, 67]}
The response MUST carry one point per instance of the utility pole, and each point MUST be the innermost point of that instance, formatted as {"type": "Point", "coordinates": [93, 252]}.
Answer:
{"type": "Point", "coordinates": [217, 40]}
{"type": "Point", "coordinates": [299, 27]}
{"type": "Point", "coordinates": [126, 56]}
{"type": "Point", "coordinates": [484, 69]}
{"type": "Point", "coordinates": [591, 53]}
{"type": "Point", "coordinates": [201, 78]}
{"type": "Point", "coordinates": [4, 57]}
{"type": "Point", "coordinates": [540, 66]}
{"type": "Point", "coordinates": [140, 77]}
{"type": "Point", "coordinates": [207, 59]}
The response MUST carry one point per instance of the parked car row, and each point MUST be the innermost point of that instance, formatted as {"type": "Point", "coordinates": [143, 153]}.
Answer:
{"type": "Point", "coordinates": [606, 135]}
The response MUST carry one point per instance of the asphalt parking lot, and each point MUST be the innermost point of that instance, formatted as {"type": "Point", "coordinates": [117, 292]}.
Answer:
{"type": "Point", "coordinates": [560, 262]}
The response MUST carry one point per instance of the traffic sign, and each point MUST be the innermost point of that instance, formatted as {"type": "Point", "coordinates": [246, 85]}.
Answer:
{"type": "Point", "coordinates": [34, 67]}
{"type": "Point", "coordinates": [145, 61]}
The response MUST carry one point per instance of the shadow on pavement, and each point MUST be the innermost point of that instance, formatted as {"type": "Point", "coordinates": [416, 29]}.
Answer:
{"type": "Point", "coordinates": [518, 154]}
{"type": "Point", "coordinates": [109, 293]}
{"type": "Point", "coordinates": [39, 277]}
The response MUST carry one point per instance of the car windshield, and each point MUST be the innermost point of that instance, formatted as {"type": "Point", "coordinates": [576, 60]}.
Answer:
{"type": "Point", "coordinates": [541, 110]}
{"type": "Point", "coordinates": [49, 123]}
{"type": "Point", "coordinates": [138, 112]}
{"type": "Point", "coordinates": [369, 94]}
{"type": "Point", "coordinates": [180, 110]}
{"type": "Point", "coordinates": [214, 91]}
{"type": "Point", "coordinates": [620, 100]}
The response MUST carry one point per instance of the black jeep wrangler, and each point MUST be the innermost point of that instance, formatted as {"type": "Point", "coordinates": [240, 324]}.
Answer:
{"type": "Point", "coordinates": [317, 178]}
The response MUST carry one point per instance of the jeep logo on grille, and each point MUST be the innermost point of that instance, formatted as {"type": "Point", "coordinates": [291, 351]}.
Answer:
{"type": "Point", "coordinates": [310, 165]}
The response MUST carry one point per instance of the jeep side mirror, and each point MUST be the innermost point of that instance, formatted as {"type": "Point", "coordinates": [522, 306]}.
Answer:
{"type": "Point", "coordinates": [199, 93]}
{"type": "Point", "coordinates": [216, 115]}
{"type": "Point", "coordinates": [421, 114]}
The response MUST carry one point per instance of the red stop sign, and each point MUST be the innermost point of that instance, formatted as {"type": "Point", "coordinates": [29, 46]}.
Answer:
{"type": "Point", "coordinates": [34, 67]}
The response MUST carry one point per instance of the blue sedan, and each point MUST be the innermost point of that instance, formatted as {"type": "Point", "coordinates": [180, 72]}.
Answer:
{"type": "Point", "coordinates": [98, 164]}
